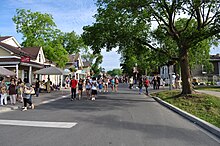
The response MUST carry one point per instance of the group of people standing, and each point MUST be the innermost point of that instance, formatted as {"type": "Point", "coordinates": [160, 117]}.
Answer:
{"type": "Point", "coordinates": [92, 86]}
{"type": "Point", "coordinates": [18, 90]}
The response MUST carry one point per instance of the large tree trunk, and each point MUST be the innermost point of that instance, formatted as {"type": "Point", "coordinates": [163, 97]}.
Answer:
{"type": "Point", "coordinates": [185, 72]}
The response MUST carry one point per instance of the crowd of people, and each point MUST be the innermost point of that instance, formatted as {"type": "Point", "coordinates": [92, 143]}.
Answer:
{"type": "Point", "coordinates": [18, 91]}
{"type": "Point", "coordinates": [92, 86]}
{"type": "Point", "coordinates": [156, 82]}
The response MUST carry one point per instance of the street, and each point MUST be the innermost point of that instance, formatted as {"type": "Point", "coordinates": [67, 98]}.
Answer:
{"type": "Point", "coordinates": [116, 119]}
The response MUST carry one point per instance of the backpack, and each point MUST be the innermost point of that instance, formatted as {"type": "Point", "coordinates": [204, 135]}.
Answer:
{"type": "Point", "coordinates": [116, 81]}
{"type": "Point", "coordinates": [147, 83]}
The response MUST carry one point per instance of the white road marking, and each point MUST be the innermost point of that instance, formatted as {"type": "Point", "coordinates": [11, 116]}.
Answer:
{"type": "Point", "coordinates": [52, 100]}
{"type": "Point", "coordinates": [38, 123]}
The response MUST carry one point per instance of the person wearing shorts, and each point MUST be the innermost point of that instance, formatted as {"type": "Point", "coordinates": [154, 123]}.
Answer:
{"type": "Point", "coordinates": [94, 88]}
{"type": "Point", "coordinates": [88, 88]}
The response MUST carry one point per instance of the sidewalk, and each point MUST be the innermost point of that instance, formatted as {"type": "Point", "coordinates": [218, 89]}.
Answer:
{"type": "Point", "coordinates": [213, 93]}
{"type": "Point", "coordinates": [43, 97]}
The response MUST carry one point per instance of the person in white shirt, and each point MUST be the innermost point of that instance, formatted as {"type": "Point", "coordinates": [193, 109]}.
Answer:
{"type": "Point", "coordinates": [94, 88]}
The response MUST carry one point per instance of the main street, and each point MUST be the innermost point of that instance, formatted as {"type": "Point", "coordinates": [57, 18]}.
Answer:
{"type": "Point", "coordinates": [116, 119]}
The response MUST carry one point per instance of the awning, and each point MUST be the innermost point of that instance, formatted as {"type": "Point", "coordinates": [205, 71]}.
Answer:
{"type": "Point", "coordinates": [6, 72]}
{"type": "Point", "coordinates": [50, 71]}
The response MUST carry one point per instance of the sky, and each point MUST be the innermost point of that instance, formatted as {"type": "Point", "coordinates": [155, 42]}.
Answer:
{"type": "Point", "coordinates": [69, 15]}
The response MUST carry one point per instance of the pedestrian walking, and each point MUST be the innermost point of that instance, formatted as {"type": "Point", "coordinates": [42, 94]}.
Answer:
{"type": "Point", "coordinates": [88, 88]}
{"type": "Point", "coordinates": [100, 84]}
{"type": "Point", "coordinates": [113, 84]}
{"type": "Point", "coordinates": [73, 85]}
{"type": "Point", "coordinates": [177, 81]}
{"type": "Point", "coordinates": [158, 81]}
{"type": "Point", "coordinates": [140, 85]}
{"type": "Point", "coordinates": [80, 88]}
{"type": "Point", "coordinates": [154, 81]}
{"type": "Point", "coordinates": [37, 87]}
{"type": "Point", "coordinates": [106, 80]}
{"type": "Point", "coordinates": [48, 85]}
{"type": "Point", "coordinates": [131, 82]}
{"type": "Point", "coordinates": [146, 84]}
{"type": "Point", "coordinates": [20, 87]}
{"type": "Point", "coordinates": [4, 92]}
{"type": "Point", "coordinates": [116, 84]}
{"type": "Point", "coordinates": [12, 92]}
{"type": "Point", "coordinates": [28, 92]}
{"type": "Point", "coordinates": [94, 88]}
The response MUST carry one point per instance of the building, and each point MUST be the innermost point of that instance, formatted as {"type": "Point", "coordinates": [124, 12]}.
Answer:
{"type": "Point", "coordinates": [77, 66]}
{"type": "Point", "coordinates": [21, 60]}
{"type": "Point", "coordinates": [199, 73]}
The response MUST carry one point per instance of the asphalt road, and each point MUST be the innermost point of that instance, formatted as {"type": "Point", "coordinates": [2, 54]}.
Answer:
{"type": "Point", "coordinates": [114, 119]}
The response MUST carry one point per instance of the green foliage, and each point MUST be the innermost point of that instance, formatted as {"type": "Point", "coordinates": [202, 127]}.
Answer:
{"type": "Point", "coordinates": [127, 25]}
{"type": "Point", "coordinates": [72, 42]}
{"type": "Point", "coordinates": [115, 72]}
{"type": "Point", "coordinates": [37, 28]}
{"type": "Point", "coordinates": [95, 66]}
{"type": "Point", "coordinates": [40, 30]}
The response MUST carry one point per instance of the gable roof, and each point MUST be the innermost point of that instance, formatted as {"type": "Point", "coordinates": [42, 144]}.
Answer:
{"type": "Point", "coordinates": [86, 63]}
{"type": "Point", "coordinates": [15, 50]}
{"type": "Point", "coordinates": [73, 58]}
{"type": "Point", "coordinates": [32, 51]}
{"type": "Point", "coordinates": [4, 38]}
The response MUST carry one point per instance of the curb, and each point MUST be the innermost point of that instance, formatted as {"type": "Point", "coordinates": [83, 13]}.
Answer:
{"type": "Point", "coordinates": [205, 125]}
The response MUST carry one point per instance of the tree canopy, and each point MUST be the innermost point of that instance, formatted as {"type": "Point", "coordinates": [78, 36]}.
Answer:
{"type": "Point", "coordinates": [131, 25]}
{"type": "Point", "coordinates": [40, 30]}
{"type": "Point", "coordinates": [115, 72]}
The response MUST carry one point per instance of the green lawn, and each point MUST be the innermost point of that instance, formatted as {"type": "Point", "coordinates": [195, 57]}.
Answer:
{"type": "Point", "coordinates": [204, 106]}
{"type": "Point", "coordinates": [212, 88]}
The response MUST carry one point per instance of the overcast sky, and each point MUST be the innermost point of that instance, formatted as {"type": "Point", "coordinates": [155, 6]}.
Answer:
{"type": "Point", "coordinates": [69, 15]}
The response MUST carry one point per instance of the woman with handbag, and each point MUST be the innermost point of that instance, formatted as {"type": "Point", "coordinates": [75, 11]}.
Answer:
{"type": "Point", "coordinates": [28, 91]}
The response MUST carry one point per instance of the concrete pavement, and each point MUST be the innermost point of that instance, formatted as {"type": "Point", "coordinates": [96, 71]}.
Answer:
{"type": "Point", "coordinates": [214, 93]}
{"type": "Point", "coordinates": [43, 98]}
{"type": "Point", "coordinates": [205, 125]}
{"type": "Point", "coordinates": [114, 119]}
{"type": "Point", "coordinates": [59, 95]}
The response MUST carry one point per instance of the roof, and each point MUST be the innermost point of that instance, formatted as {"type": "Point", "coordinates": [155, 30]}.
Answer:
{"type": "Point", "coordinates": [217, 56]}
{"type": "Point", "coordinates": [50, 71]}
{"type": "Point", "coordinates": [73, 58]}
{"type": "Point", "coordinates": [86, 64]}
{"type": "Point", "coordinates": [14, 50]}
{"type": "Point", "coordinates": [32, 51]}
{"type": "Point", "coordinates": [6, 72]}
{"type": "Point", "coordinates": [4, 38]}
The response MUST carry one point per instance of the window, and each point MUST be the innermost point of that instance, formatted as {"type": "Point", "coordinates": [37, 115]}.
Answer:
{"type": "Point", "coordinates": [39, 56]}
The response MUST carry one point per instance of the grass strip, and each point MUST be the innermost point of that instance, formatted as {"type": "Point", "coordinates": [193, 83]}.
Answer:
{"type": "Point", "coordinates": [201, 105]}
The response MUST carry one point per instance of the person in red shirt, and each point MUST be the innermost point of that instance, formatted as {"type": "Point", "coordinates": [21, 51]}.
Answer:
{"type": "Point", "coordinates": [147, 84]}
{"type": "Point", "coordinates": [73, 85]}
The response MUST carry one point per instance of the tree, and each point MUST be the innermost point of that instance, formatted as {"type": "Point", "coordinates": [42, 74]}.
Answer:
{"type": "Point", "coordinates": [115, 72]}
{"type": "Point", "coordinates": [126, 23]}
{"type": "Point", "coordinates": [72, 42]}
{"type": "Point", "coordinates": [95, 66]}
{"type": "Point", "coordinates": [40, 30]}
